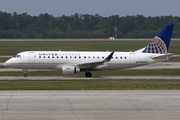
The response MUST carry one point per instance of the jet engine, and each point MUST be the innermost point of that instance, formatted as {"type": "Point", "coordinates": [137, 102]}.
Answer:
{"type": "Point", "coordinates": [70, 70]}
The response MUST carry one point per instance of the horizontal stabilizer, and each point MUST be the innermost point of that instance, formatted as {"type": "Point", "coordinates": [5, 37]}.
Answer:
{"type": "Point", "coordinates": [163, 56]}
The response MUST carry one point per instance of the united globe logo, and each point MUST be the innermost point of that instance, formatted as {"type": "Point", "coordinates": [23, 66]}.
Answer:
{"type": "Point", "coordinates": [156, 46]}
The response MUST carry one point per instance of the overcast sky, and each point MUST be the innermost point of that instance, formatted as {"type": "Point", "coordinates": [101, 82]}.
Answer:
{"type": "Point", "coordinates": [102, 7]}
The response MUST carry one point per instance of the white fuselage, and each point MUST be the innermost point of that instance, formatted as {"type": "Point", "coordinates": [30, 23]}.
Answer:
{"type": "Point", "coordinates": [57, 59]}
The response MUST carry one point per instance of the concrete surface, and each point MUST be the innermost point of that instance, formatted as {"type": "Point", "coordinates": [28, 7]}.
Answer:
{"type": "Point", "coordinates": [90, 105]}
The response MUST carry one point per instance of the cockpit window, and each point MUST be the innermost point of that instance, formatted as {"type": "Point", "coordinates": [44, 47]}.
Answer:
{"type": "Point", "coordinates": [17, 56]}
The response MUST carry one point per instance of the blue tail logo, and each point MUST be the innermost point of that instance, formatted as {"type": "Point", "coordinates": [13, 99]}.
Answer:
{"type": "Point", "coordinates": [160, 43]}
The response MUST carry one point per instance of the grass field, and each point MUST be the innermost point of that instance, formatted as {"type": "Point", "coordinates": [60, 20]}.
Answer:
{"type": "Point", "coordinates": [14, 47]}
{"type": "Point", "coordinates": [91, 85]}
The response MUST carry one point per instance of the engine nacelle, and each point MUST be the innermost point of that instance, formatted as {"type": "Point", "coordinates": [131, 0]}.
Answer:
{"type": "Point", "coordinates": [70, 70]}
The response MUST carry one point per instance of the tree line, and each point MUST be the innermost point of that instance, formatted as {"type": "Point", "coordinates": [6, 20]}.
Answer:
{"type": "Point", "coordinates": [83, 26]}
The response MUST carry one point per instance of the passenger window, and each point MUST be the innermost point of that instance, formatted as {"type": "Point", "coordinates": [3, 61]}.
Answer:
{"type": "Point", "coordinates": [120, 57]}
{"type": "Point", "coordinates": [98, 57]}
{"type": "Point", "coordinates": [79, 56]}
{"type": "Point", "coordinates": [44, 56]}
{"type": "Point", "coordinates": [74, 56]}
{"type": "Point", "coordinates": [66, 57]}
{"type": "Point", "coordinates": [85, 57]}
{"type": "Point", "coordinates": [52, 56]}
{"type": "Point", "coordinates": [102, 57]}
{"type": "Point", "coordinates": [125, 57]}
{"type": "Point", "coordinates": [57, 56]}
{"type": "Point", "coordinates": [61, 56]}
{"type": "Point", "coordinates": [116, 57]}
{"type": "Point", "coordinates": [48, 56]}
{"type": "Point", "coordinates": [39, 56]}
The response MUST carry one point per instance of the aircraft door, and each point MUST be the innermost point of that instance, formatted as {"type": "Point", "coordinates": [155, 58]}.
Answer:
{"type": "Point", "coordinates": [132, 57]}
{"type": "Point", "coordinates": [31, 57]}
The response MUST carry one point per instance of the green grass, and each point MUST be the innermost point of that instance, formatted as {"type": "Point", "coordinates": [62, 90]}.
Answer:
{"type": "Point", "coordinates": [91, 85]}
{"type": "Point", "coordinates": [3, 59]}
{"type": "Point", "coordinates": [168, 72]}
{"type": "Point", "coordinates": [14, 47]}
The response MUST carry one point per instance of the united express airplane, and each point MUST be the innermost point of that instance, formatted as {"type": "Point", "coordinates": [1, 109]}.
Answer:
{"type": "Point", "coordinates": [70, 62]}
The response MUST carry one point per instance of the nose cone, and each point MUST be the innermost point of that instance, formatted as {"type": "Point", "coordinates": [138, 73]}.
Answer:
{"type": "Point", "coordinates": [7, 64]}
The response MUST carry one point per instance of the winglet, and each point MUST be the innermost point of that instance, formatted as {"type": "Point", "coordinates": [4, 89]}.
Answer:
{"type": "Point", "coordinates": [108, 58]}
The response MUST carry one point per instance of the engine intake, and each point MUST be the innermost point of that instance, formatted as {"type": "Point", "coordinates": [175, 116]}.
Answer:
{"type": "Point", "coordinates": [70, 70]}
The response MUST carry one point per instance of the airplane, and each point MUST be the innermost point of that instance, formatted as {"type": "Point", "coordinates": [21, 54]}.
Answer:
{"type": "Point", "coordinates": [71, 62]}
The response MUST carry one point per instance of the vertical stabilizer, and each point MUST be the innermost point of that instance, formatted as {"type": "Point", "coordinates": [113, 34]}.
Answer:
{"type": "Point", "coordinates": [160, 43]}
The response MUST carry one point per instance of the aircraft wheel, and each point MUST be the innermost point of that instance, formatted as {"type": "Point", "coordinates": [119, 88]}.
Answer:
{"type": "Point", "coordinates": [88, 74]}
{"type": "Point", "coordinates": [26, 75]}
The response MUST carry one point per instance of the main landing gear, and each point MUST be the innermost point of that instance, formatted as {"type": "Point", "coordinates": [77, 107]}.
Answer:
{"type": "Point", "coordinates": [25, 75]}
{"type": "Point", "coordinates": [88, 74]}
{"type": "Point", "coordinates": [26, 72]}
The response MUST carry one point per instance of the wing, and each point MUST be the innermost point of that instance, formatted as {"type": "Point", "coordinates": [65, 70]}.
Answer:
{"type": "Point", "coordinates": [94, 64]}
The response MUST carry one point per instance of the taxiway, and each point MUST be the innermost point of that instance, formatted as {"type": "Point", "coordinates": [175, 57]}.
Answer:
{"type": "Point", "coordinates": [160, 65]}
{"type": "Point", "coordinates": [90, 78]}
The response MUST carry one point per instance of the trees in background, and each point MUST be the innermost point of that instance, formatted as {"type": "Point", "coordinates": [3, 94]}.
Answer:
{"type": "Point", "coordinates": [83, 26]}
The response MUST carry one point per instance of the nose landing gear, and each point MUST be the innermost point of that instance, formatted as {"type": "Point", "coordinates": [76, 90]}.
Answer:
{"type": "Point", "coordinates": [26, 72]}
{"type": "Point", "coordinates": [25, 75]}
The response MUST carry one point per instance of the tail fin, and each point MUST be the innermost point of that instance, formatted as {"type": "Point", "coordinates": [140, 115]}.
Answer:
{"type": "Point", "coordinates": [160, 43]}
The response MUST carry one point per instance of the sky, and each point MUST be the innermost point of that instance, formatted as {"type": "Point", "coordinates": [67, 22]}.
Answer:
{"type": "Point", "coordinates": [104, 8]}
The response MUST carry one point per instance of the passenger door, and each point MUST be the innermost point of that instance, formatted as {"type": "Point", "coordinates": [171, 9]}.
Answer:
{"type": "Point", "coordinates": [132, 58]}
{"type": "Point", "coordinates": [31, 57]}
